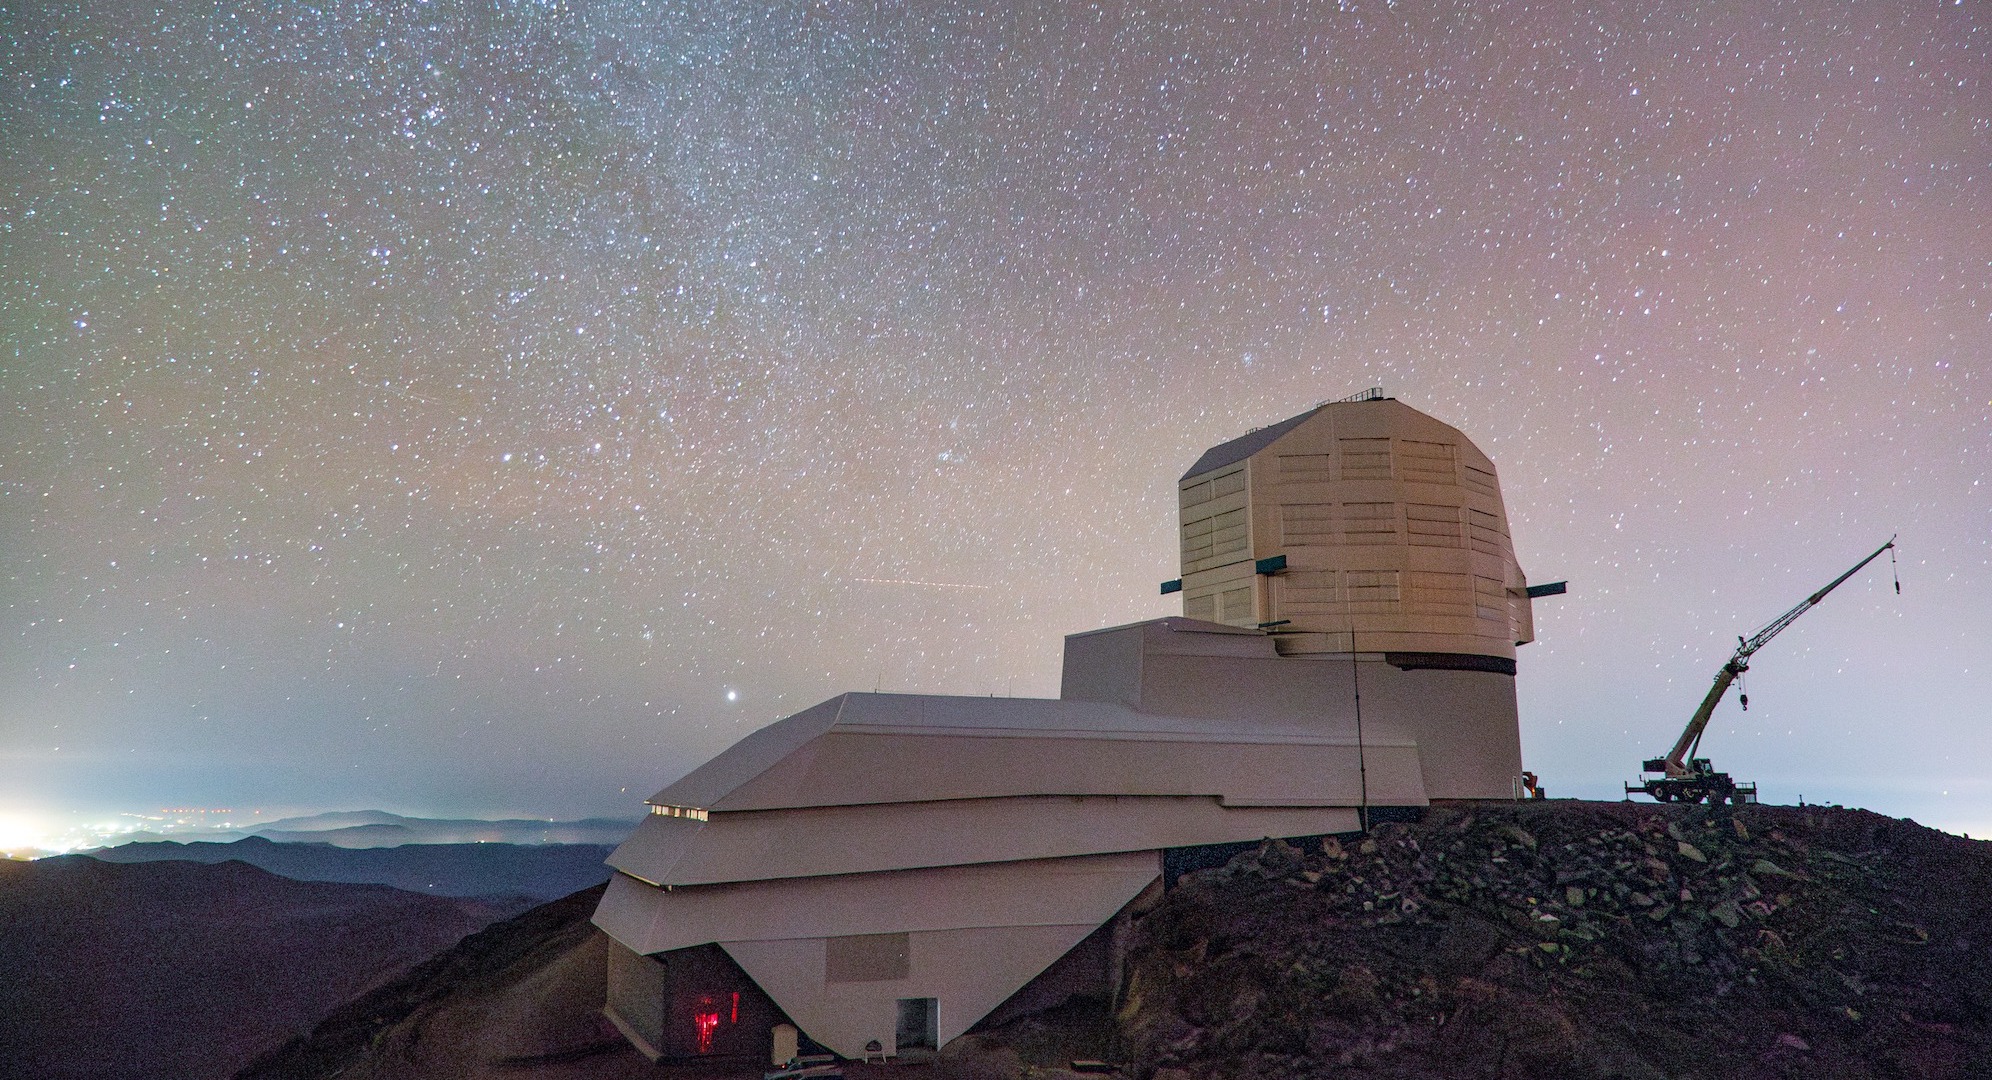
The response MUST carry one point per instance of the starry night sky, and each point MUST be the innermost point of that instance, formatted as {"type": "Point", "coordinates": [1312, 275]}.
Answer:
{"type": "Point", "coordinates": [501, 407]}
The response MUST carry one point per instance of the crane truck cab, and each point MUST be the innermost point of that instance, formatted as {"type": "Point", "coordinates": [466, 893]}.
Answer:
{"type": "Point", "coordinates": [1700, 784]}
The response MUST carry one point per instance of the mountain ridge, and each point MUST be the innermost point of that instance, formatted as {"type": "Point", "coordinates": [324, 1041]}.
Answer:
{"type": "Point", "coordinates": [381, 828]}
{"type": "Point", "coordinates": [536, 872]}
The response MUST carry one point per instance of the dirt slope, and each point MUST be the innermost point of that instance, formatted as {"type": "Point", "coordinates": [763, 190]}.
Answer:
{"type": "Point", "coordinates": [1550, 940]}
{"type": "Point", "coordinates": [177, 969]}
{"type": "Point", "coordinates": [521, 998]}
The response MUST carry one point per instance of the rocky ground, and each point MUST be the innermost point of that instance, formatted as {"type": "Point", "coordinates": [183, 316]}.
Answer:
{"type": "Point", "coordinates": [1578, 940]}
{"type": "Point", "coordinates": [1532, 940]}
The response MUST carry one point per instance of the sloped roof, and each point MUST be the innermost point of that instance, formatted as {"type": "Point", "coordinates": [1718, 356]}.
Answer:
{"type": "Point", "coordinates": [1246, 445]}
{"type": "Point", "coordinates": [864, 839]}
{"type": "Point", "coordinates": [750, 757]}
{"type": "Point", "coordinates": [870, 748]}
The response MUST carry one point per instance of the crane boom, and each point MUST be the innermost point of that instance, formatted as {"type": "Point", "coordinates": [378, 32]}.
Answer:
{"type": "Point", "coordinates": [1691, 778]}
{"type": "Point", "coordinates": [1762, 637]}
{"type": "Point", "coordinates": [1739, 662]}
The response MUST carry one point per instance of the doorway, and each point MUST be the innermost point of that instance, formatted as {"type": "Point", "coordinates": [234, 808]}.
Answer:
{"type": "Point", "coordinates": [919, 1032]}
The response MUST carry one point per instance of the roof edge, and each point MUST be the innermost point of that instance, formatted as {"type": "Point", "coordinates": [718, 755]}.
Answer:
{"type": "Point", "coordinates": [1181, 624]}
{"type": "Point", "coordinates": [1244, 446]}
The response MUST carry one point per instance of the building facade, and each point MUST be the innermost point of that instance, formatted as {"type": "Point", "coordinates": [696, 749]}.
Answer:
{"type": "Point", "coordinates": [1384, 523]}
{"type": "Point", "coordinates": [878, 874]}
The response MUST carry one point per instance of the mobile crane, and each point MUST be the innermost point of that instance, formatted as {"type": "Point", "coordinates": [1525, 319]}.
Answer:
{"type": "Point", "coordinates": [1690, 779]}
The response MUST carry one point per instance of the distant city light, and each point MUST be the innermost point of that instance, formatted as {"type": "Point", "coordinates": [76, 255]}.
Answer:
{"type": "Point", "coordinates": [36, 834]}
{"type": "Point", "coordinates": [18, 835]}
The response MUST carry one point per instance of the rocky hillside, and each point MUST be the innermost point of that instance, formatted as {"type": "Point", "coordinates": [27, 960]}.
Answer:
{"type": "Point", "coordinates": [1578, 940]}
{"type": "Point", "coordinates": [1536, 940]}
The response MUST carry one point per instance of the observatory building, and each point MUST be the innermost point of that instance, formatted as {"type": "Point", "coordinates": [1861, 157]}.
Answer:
{"type": "Point", "coordinates": [879, 874]}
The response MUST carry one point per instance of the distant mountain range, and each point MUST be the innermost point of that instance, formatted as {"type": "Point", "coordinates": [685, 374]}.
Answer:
{"type": "Point", "coordinates": [380, 829]}
{"type": "Point", "coordinates": [534, 872]}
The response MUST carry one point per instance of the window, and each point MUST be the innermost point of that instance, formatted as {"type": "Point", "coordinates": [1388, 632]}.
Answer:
{"type": "Point", "coordinates": [636, 990]}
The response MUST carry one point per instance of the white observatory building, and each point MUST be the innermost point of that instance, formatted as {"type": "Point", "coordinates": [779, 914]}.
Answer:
{"type": "Point", "coordinates": [880, 873]}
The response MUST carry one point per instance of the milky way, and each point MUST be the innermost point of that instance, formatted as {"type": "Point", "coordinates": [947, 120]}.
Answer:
{"type": "Point", "coordinates": [502, 407]}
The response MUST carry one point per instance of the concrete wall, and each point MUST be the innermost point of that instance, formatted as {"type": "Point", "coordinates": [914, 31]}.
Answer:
{"type": "Point", "coordinates": [636, 998]}
{"type": "Point", "coordinates": [974, 935]}
{"type": "Point", "coordinates": [689, 1003]}
{"type": "Point", "coordinates": [1464, 724]}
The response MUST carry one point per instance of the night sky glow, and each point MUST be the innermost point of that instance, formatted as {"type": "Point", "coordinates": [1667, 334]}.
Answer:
{"type": "Point", "coordinates": [501, 407]}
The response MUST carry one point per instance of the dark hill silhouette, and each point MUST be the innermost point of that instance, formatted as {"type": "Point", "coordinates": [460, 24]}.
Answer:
{"type": "Point", "coordinates": [177, 969]}
{"type": "Point", "coordinates": [538, 872]}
